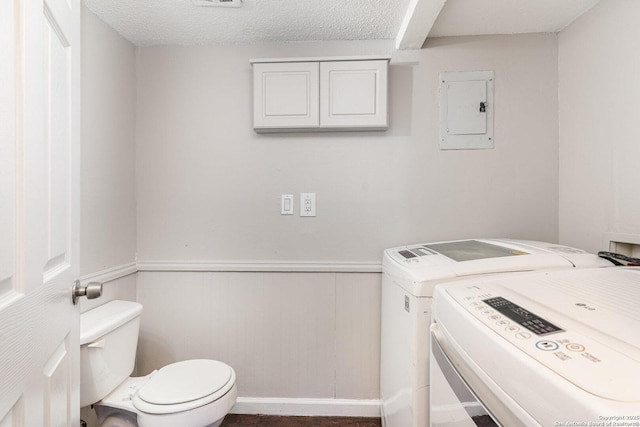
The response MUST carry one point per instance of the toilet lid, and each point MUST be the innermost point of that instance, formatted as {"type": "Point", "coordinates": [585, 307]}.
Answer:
{"type": "Point", "coordinates": [185, 381]}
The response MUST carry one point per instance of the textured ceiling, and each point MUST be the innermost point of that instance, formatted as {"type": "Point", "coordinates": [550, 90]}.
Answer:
{"type": "Point", "coordinates": [153, 22]}
{"type": "Point", "coordinates": [170, 22]}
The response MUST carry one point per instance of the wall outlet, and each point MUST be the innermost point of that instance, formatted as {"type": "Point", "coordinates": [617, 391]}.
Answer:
{"type": "Point", "coordinates": [307, 204]}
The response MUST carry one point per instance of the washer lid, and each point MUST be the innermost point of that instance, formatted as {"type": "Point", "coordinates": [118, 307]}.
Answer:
{"type": "Point", "coordinates": [185, 381]}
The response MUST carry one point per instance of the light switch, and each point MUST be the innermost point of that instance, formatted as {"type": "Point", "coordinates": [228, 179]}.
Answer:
{"type": "Point", "coordinates": [307, 204]}
{"type": "Point", "coordinates": [286, 206]}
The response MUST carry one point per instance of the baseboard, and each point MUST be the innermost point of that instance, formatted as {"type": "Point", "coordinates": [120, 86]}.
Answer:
{"type": "Point", "coordinates": [307, 407]}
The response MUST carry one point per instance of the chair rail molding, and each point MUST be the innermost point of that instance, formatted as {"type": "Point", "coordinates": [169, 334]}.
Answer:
{"type": "Point", "coordinates": [260, 266]}
{"type": "Point", "coordinates": [111, 273]}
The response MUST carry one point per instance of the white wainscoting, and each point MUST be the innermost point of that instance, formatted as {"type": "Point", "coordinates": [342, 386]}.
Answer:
{"type": "Point", "coordinates": [303, 337]}
{"type": "Point", "coordinates": [300, 342]}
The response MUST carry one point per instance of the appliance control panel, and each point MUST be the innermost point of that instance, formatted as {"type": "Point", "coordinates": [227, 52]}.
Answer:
{"type": "Point", "coordinates": [414, 252]}
{"type": "Point", "coordinates": [574, 355]}
{"type": "Point", "coordinates": [521, 316]}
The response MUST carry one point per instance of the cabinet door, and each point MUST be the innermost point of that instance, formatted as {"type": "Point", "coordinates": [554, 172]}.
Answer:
{"type": "Point", "coordinates": [353, 94]}
{"type": "Point", "coordinates": [285, 95]}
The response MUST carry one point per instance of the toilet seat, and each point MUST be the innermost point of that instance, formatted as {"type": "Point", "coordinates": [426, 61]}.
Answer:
{"type": "Point", "coordinates": [183, 386]}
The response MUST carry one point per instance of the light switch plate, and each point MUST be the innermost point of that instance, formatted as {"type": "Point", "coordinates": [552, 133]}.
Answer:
{"type": "Point", "coordinates": [286, 204]}
{"type": "Point", "coordinates": [307, 204]}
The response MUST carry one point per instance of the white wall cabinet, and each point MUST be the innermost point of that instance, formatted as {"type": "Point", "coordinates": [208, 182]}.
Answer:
{"type": "Point", "coordinates": [320, 95]}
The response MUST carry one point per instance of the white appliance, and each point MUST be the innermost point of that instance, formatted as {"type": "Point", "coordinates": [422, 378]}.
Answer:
{"type": "Point", "coordinates": [410, 274]}
{"type": "Point", "coordinates": [555, 348]}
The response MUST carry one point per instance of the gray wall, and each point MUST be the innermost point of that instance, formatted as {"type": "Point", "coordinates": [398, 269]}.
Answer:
{"type": "Point", "coordinates": [209, 187]}
{"type": "Point", "coordinates": [599, 93]}
{"type": "Point", "coordinates": [108, 215]}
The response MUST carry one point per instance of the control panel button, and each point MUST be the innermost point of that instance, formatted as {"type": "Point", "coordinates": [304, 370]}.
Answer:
{"type": "Point", "coordinates": [523, 335]}
{"type": "Point", "coordinates": [547, 345]}
{"type": "Point", "coordinates": [575, 347]}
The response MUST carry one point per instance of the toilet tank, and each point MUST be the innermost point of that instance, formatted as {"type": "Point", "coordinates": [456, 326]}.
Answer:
{"type": "Point", "coordinates": [108, 343]}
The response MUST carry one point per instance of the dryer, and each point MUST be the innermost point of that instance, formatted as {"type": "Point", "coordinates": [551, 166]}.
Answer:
{"type": "Point", "coordinates": [410, 274]}
{"type": "Point", "coordinates": [554, 348]}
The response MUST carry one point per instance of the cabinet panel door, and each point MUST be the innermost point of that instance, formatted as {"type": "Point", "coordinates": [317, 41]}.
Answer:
{"type": "Point", "coordinates": [285, 95]}
{"type": "Point", "coordinates": [353, 94]}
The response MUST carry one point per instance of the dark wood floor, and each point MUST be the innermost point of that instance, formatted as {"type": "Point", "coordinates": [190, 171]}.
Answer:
{"type": "Point", "coordinates": [233, 420]}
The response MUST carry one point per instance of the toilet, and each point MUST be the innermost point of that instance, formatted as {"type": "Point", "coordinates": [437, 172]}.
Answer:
{"type": "Point", "coordinates": [191, 393]}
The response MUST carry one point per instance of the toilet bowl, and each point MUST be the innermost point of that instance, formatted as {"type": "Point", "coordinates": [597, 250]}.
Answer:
{"type": "Point", "coordinates": [191, 393]}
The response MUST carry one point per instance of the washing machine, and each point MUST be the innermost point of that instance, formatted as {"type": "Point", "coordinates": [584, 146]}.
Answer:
{"type": "Point", "coordinates": [410, 274]}
{"type": "Point", "coordinates": [553, 348]}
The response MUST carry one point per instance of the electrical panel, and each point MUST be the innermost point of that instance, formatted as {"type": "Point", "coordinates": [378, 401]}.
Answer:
{"type": "Point", "coordinates": [466, 110]}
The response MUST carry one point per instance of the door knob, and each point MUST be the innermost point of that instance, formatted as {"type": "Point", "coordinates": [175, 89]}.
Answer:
{"type": "Point", "coordinates": [92, 291]}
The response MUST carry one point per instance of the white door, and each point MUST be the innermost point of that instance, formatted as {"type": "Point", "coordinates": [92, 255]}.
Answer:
{"type": "Point", "coordinates": [39, 154]}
